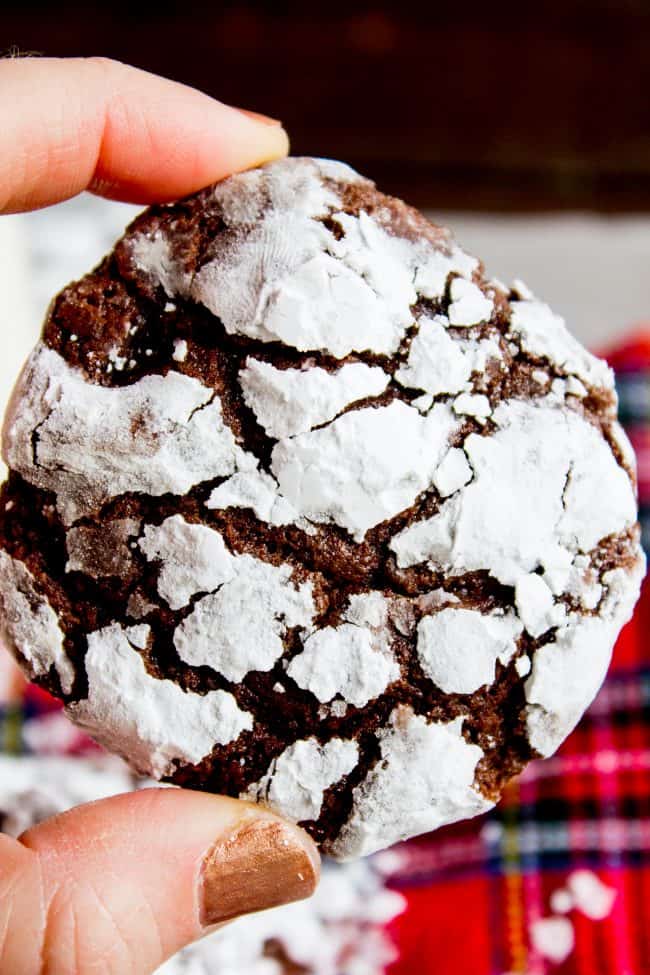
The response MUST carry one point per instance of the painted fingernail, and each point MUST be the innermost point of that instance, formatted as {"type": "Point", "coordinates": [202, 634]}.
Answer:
{"type": "Point", "coordinates": [258, 117]}
{"type": "Point", "coordinates": [260, 864]}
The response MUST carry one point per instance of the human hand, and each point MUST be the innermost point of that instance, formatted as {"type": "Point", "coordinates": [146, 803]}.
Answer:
{"type": "Point", "coordinates": [119, 885]}
{"type": "Point", "coordinates": [90, 123]}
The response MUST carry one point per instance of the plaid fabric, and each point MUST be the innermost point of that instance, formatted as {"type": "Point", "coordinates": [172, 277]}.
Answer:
{"type": "Point", "coordinates": [476, 892]}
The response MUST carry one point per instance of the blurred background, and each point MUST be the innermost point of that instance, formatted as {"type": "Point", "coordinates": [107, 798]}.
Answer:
{"type": "Point", "coordinates": [501, 106]}
{"type": "Point", "coordinates": [491, 116]}
{"type": "Point", "coordinates": [526, 128]}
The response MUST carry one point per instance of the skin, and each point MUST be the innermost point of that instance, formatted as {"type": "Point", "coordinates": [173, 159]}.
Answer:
{"type": "Point", "coordinates": [76, 124]}
{"type": "Point", "coordinates": [116, 886]}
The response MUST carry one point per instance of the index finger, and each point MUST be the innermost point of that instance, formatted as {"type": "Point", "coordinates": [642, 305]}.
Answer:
{"type": "Point", "coordinates": [89, 123]}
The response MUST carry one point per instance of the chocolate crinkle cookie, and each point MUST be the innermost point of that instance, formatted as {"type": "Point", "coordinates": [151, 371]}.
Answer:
{"type": "Point", "coordinates": [304, 509]}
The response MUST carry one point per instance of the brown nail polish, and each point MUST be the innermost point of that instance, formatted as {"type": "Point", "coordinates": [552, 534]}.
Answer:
{"type": "Point", "coordinates": [258, 117]}
{"type": "Point", "coordinates": [261, 864]}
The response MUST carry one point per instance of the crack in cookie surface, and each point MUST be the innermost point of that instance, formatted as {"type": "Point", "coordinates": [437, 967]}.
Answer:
{"type": "Point", "coordinates": [289, 464]}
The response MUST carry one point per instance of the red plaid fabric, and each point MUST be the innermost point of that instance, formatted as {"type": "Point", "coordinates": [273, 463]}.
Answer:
{"type": "Point", "coordinates": [477, 891]}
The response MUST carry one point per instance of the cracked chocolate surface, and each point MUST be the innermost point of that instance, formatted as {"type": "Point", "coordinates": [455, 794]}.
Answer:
{"type": "Point", "coordinates": [142, 314]}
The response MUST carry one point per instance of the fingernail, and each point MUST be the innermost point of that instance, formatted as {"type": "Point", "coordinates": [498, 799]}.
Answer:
{"type": "Point", "coordinates": [262, 863]}
{"type": "Point", "coordinates": [258, 117]}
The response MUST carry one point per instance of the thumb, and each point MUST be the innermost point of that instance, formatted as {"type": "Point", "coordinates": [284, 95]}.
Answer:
{"type": "Point", "coordinates": [119, 885]}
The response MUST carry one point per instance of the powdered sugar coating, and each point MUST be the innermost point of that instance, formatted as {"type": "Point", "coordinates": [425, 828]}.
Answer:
{"type": "Point", "coordinates": [30, 624]}
{"type": "Point", "coordinates": [535, 605]}
{"type": "Point", "coordinates": [297, 779]}
{"type": "Point", "coordinates": [290, 279]}
{"type": "Point", "coordinates": [180, 350]}
{"type": "Point", "coordinates": [424, 779]}
{"type": "Point", "coordinates": [372, 486]}
{"type": "Point", "coordinates": [423, 403]}
{"type": "Point", "coordinates": [544, 334]}
{"type": "Point", "coordinates": [151, 722]}
{"type": "Point", "coordinates": [291, 401]}
{"type": "Point", "coordinates": [364, 467]}
{"type": "Point", "coordinates": [468, 405]}
{"type": "Point", "coordinates": [438, 363]}
{"type": "Point", "coordinates": [367, 609]}
{"type": "Point", "coordinates": [547, 465]}
{"type": "Point", "coordinates": [344, 660]}
{"type": "Point", "coordinates": [469, 306]}
{"type": "Point", "coordinates": [582, 583]}
{"type": "Point", "coordinates": [153, 255]}
{"type": "Point", "coordinates": [523, 666]}
{"type": "Point", "coordinates": [459, 648]}
{"type": "Point", "coordinates": [194, 559]}
{"type": "Point", "coordinates": [452, 473]}
{"type": "Point", "coordinates": [160, 434]}
{"type": "Point", "coordinates": [240, 627]}
{"type": "Point", "coordinates": [257, 490]}
{"type": "Point", "coordinates": [568, 671]}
